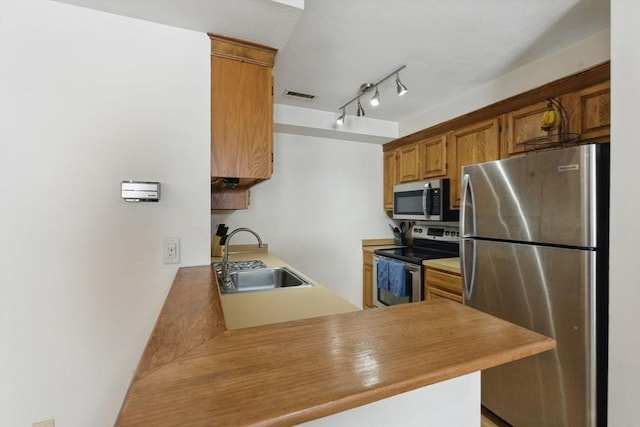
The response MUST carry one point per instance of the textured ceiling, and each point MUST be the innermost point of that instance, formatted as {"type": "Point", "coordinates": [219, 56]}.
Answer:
{"type": "Point", "coordinates": [332, 46]}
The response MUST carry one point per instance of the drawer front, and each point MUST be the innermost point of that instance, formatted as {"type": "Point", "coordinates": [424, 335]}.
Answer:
{"type": "Point", "coordinates": [451, 283]}
{"type": "Point", "coordinates": [434, 293]}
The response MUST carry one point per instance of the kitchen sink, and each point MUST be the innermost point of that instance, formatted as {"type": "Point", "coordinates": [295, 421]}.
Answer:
{"type": "Point", "coordinates": [240, 265]}
{"type": "Point", "coordinates": [262, 279]}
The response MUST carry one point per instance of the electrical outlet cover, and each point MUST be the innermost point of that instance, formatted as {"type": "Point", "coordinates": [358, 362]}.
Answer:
{"type": "Point", "coordinates": [171, 250]}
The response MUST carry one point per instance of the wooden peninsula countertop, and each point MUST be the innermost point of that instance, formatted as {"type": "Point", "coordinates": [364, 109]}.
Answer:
{"type": "Point", "coordinates": [196, 372]}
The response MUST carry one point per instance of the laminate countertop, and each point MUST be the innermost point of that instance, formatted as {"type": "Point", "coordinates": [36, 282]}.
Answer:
{"type": "Point", "coordinates": [246, 309]}
{"type": "Point", "coordinates": [195, 371]}
{"type": "Point", "coordinates": [452, 265]}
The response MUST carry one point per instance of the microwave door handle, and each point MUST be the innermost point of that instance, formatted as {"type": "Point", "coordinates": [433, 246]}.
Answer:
{"type": "Point", "coordinates": [427, 200]}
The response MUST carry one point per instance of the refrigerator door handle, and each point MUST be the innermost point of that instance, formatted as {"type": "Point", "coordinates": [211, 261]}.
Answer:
{"type": "Point", "coordinates": [467, 212]}
{"type": "Point", "coordinates": [468, 267]}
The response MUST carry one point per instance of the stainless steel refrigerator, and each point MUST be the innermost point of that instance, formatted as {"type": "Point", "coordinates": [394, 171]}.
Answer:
{"type": "Point", "coordinates": [534, 251]}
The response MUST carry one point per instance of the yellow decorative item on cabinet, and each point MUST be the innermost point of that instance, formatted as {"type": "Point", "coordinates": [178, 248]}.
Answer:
{"type": "Point", "coordinates": [550, 119]}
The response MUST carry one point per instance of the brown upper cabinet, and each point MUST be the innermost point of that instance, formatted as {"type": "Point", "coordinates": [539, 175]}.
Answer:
{"type": "Point", "coordinates": [589, 112]}
{"type": "Point", "coordinates": [521, 126]}
{"type": "Point", "coordinates": [241, 114]}
{"type": "Point", "coordinates": [588, 118]}
{"type": "Point", "coordinates": [408, 163]}
{"type": "Point", "coordinates": [390, 178]}
{"type": "Point", "coordinates": [433, 157]}
{"type": "Point", "coordinates": [476, 143]}
{"type": "Point", "coordinates": [507, 128]}
{"type": "Point", "coordinates": [421, 160]}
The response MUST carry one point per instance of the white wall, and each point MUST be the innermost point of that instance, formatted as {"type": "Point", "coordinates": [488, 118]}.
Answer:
{"type": "Point", "coordinates": [325, 196]}
{"type": "Point", "coordinates": [88, 99]}
{"type": "Point", "coordinates": [624, 319]}
{"type": "Point", "coordinates": [450, 403]}
{"type": "Point", "coordinates": [584, 54]}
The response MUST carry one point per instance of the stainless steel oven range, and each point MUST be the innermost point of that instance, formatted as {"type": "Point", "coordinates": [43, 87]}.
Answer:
{"type": "Point", "coordinates": [397, 273]}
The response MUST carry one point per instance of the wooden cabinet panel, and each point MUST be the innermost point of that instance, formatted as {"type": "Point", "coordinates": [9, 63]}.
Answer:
{"type": "Point", "coordinates": [590, 112]}
{"type": "Point", "coordinates": [433, 293]}
{"type": "Point", "coordinates": [237, 198]}
{"type": "Point", "coordinates": [443, 284]}
{"type": "Point", "coordinates": [473, 138]}
{"type": "Point", "coordinates": [389, 172]}
{"type": "Point", "coordinates": [425, 159]}
{"type": "Point", "coordinates": [472, 144]}
{"type": "Point", "coordinates": [595, 117]}
{"type": "Point", "coordinates": [367, 279]}
{"type": "Point", "coordinates": [433, 157]}
{"type": "Point", "coordinates": [241, 119]}
{"type": "Point", "coordinates": [523, 125]}
{"type": "Point", "coordinates": [408, 163]}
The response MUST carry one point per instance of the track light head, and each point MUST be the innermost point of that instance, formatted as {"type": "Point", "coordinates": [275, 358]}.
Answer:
{"type": "Point", "coordinates": [369, 87]}
{"type": "Point", "coordinates": [360, 111]}
{"type": "Point", "coordinates": [402, 89]}
{"type": "Point", "coordinates": [375, 99]}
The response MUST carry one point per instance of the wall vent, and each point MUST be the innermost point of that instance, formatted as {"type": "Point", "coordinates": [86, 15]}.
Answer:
{"type": "Point", "coordinates": [299, 95]}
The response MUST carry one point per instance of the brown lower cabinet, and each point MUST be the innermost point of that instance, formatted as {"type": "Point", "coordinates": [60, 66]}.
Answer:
{"type": "Point", "coordinates": [442, 284]}
{"type": "Point", "coordinates": [367, 279]}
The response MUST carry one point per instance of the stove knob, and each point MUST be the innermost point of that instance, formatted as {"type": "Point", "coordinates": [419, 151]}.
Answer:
{"type": "Point", "coordinates": [446, 233]}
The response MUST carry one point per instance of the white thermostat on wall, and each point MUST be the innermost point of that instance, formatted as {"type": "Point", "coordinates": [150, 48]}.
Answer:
{"type": "Point", "coordinates": [140, 191]}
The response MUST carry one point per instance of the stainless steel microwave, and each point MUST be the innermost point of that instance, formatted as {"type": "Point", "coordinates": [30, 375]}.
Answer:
{"type": "Point", "coordinates": [424, 201]}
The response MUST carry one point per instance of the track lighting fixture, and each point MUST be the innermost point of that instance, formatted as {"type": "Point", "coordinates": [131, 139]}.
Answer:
{"type": "Point", "coordinates": [360, 111]}
{"type": "Point", "coordinates": [375, 99]}
{"type": "Point", "coordinates": [402, 89]}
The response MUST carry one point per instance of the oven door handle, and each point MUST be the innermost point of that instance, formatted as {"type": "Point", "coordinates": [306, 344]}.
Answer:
{"type": "Point", "coordinates": [414, 283]}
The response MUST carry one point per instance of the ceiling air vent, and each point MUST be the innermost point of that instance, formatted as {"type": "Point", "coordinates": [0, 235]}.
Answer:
{"type": "Point", "coordinates": [299, 95]}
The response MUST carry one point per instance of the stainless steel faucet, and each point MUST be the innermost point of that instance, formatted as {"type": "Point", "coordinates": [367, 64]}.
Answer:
{"type": "Point", "coordinates": [226, 280]}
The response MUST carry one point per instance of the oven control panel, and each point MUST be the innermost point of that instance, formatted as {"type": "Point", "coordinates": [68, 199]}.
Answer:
{"type": "Point", "coordinates": [451, 234]}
